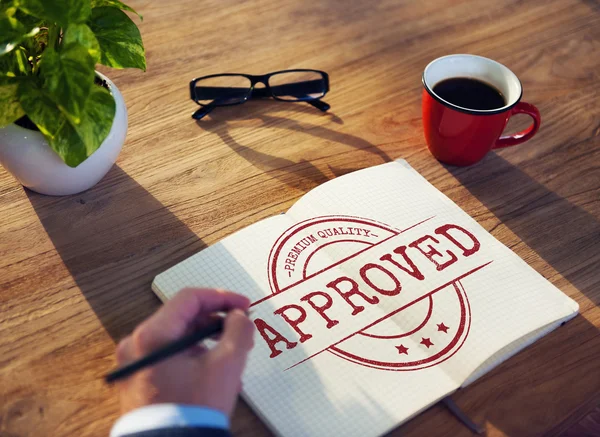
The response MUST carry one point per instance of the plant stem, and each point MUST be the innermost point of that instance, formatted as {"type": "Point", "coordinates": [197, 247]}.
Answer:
{"type": "Point", "coordinates": [53, 35]}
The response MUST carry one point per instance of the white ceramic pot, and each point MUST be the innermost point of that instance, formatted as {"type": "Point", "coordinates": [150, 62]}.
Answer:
{"type": "Point", "coordinates": [26, 154]}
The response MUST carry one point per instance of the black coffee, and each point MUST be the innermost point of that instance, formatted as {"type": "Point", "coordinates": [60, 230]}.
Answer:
{"type": "Point", "coordinates": [470, 93]}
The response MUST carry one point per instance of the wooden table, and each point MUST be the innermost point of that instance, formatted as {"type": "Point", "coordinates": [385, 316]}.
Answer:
{"type": "Point", "coordinates": [76, 271]}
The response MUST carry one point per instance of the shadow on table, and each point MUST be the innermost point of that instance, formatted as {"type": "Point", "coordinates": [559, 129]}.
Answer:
{"type": "Point", "coordinates": [545, 377]}
{"type": "Point", "coordinates": [565, 235]}
{"type": "Point", "coordinates": [301, 175]}
{"type": "Point", "coordinates": [536, 392]}
{"type": "Point", "coordinates": [593, 4]}
{"type": "Point", "coordinates": [114, 239]}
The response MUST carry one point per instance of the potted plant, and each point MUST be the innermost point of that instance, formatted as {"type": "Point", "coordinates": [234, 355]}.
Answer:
{"type": "Point", "coordinates": [62, 124]}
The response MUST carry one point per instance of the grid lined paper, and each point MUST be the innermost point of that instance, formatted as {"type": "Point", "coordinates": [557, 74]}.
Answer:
{"type": "Point", "coordinates": [508, 306]}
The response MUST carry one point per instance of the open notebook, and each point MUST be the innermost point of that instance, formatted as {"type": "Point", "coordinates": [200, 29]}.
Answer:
{"type": "Point", "coordinates": [374, 297]}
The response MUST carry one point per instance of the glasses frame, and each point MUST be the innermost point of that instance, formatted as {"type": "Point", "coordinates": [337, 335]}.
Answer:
{"type": "Point", "coordinates": [260, 92]}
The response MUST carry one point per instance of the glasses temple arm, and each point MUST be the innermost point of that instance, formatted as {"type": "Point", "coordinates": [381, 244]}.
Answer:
{"type": "Point", "coordinates": [319, 104]}
{"type": "Point", "coordinates": [203, 111]}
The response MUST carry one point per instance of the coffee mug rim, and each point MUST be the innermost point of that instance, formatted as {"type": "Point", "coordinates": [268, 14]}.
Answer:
{"type": "Point", "coordinates": [468, 110]}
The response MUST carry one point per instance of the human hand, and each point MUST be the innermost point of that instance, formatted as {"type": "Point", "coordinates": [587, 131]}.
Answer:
{"type": "Point", "coordinates": [198, 376]}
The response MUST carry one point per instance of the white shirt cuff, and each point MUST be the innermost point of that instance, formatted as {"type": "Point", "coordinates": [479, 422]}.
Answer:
{"type": "Point", "coordinates": [168, 416]}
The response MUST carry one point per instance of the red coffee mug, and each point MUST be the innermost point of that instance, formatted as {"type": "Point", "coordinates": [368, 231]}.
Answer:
{"type": "Point", "coordinates": [462, 136]}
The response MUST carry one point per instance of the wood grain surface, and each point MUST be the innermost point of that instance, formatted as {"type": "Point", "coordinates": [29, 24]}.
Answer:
{"type": "Point", "coordinates": [75, 272]}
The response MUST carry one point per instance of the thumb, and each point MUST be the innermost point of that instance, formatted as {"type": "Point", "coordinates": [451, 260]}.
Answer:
{"type": "Point", "coordinates": [237, 338]}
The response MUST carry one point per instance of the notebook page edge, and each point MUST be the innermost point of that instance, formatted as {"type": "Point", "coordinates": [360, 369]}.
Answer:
{"type": "Point", "coordinates": [156, 289]}
{"type": "Point", "coordinates": [418, 412]}
{"type": "Point", "coordinates": [569, 302]}
{"type": "Point", "coordinates": [309, 195]}
{"type": "Point", "coordinates": [261, 415]}
{"type": "Point", "coordinates": [163, 295]}
{"type": "Point", "coordinates": [513, 348]}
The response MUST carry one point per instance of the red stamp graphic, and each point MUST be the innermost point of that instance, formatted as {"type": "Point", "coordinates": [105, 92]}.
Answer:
{"type": "Point", "coordinates": [370, 294]}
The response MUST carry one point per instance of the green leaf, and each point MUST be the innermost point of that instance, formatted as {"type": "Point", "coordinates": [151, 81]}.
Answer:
{"type": "Point", "coordinates": [73, 143]}
{"type": "Point", "coordinates": [97, 119]}
{"type": "Point", "coordinates": [14, 64]}
{"type": "Point", "coordinates": [119, 38]}
{"type": "Point", "coordinates": [115, 4]}
{"type": "Point", "coordinates": [29, 20]}
{"type": "Point", "coordinates": [41, 109]}
{"type": "Point", "coordinates": [12, 32]}
{"type": "Point", "coordinates": [8, 7]}
{"type": "Point", "coordinates": [11, 107]}
{"type": "Point", "coordinates": [63, 12]}
{"type": "Point", "coordinates": [7, 4]}
{"type": "Point", "coordinates": [83, 35]}
{"type": "Point", "coordinates": [69, 76]}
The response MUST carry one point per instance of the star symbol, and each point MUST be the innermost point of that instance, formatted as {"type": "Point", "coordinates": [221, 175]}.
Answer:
{"type": "Point", "coordinates": [442, 327]}
{"type": "Point", "coordinates": [426, 342]}
{"type": "Point", "coordinates": [402, 349]}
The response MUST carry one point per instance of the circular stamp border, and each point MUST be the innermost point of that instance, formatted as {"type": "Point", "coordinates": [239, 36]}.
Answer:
{"type": "Point", "coordinates": [439, 357]}
{"type": "Point", "coordinates": [279, 243]}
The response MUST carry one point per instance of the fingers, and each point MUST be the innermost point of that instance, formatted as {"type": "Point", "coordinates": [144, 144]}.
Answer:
{"type": "Point", "coordinates": [237, 338]}
{"type": "Point", "coordinates": [190, 303]}
{"type": "Point", "coordinates": [205, 321]}
{"type": "Point", "coordinates": [196, 351]}
{"type": "Point", "coordinates": [125, 353]}
{"type": "Point", "coordinates": [181, 313]}
{"type": "Point", "coordinates": [229, 356]}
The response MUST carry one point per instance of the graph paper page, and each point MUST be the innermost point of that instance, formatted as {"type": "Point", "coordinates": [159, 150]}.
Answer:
{"type": "Point", "coordinates": [373, 297]}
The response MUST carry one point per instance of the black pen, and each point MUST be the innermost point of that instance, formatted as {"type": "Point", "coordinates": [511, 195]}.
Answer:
{"type": "Point", "coordinates": [167, 351]}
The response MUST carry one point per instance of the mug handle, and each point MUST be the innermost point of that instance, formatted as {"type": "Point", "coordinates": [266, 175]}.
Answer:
{"type": "Point", "coordinates": [524, 135]}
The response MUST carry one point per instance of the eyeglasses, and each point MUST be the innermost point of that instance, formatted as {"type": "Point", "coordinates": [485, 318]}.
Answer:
{"type": "Point", "coordinates": [233, 89]}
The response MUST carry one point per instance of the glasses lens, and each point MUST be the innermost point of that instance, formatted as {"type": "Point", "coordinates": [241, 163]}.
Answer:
{"type": "Point", "coordinates": [222, 90]}
{"type": "Point", "coordinates": [298, 85]}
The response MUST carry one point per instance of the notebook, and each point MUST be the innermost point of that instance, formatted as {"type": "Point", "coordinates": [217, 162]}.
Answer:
{"type": "Point", "coordinates": [374, 297]}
